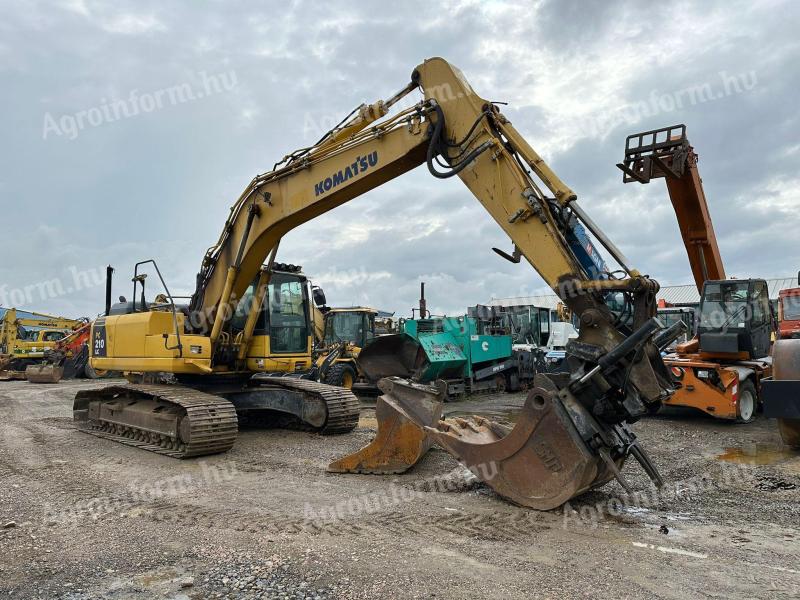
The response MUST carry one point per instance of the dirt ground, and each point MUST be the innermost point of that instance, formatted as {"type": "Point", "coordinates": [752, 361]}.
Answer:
{"type": "Point", "coordinates": [82, 517]}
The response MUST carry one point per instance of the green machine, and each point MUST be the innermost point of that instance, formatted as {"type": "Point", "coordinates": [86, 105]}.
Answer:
{"type": "Point", "coordinates": [452, 349]}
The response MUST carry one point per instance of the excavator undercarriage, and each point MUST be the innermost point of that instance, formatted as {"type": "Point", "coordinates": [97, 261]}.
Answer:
{"type": "Point", "coordinates": [183, 422]}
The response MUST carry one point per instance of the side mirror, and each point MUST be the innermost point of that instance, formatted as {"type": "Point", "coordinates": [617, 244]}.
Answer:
{"type": "Point", "coordinates": [319, 296]}
{"type": "Point", "coordinates": [122, 299]}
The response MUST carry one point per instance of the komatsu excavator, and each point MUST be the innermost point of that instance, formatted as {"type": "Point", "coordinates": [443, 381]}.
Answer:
{"type": "Point", "coordinates": [573, 432]}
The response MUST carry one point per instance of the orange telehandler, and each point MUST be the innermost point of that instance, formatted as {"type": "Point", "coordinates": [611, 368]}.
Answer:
{"type": "Point", "coordinates": [722, 367]}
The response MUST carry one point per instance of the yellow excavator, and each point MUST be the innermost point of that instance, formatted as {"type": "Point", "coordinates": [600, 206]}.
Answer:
{"type": "Point", "coordinates": [25, 339]}
{"type": "Point", "coordinates": [245, 330]}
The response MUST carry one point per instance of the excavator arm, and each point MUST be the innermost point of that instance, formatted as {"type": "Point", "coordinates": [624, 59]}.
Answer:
{"type": "Point", "coordinates": [454, 132]}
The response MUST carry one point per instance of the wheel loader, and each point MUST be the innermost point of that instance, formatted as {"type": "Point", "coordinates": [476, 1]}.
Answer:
{"type": "Point", "coordinates": [340, 336]}
{"type": "Point", "coordinates": [243, 340]}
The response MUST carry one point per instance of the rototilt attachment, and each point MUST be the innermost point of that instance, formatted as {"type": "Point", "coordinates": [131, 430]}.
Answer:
{"type": "Point", "coordinates": [557, 449]}
{"type": "Point", "coordinates": [403, 412]}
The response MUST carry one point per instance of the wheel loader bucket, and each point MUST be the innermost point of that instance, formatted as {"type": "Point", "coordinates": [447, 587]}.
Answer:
{"type": "Point", "coordinates": [393, 355]}
{"type": "Point", "coordinates": [44, 373]}
{"type": "Point", "coordinates": [402, 412]}
{"type": "Point", "coordinates": [541, 463]}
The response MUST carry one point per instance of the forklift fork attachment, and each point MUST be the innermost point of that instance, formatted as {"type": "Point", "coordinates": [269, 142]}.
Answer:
{"type": "Point", "coordinates": [402, 412]}
{"type": "Point", "coordinates": [541, 463]}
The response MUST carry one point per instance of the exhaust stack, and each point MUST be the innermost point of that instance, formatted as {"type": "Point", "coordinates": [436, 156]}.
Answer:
{"type": "Point", "coordinates": [109, 276]}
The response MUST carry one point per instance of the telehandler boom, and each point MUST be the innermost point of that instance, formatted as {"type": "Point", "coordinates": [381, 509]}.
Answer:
{"type": "Point", "coordinates": [573, 433]}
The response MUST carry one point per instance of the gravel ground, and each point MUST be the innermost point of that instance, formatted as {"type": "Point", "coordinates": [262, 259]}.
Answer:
{"type": "Point", "coordinates": [83, 518]}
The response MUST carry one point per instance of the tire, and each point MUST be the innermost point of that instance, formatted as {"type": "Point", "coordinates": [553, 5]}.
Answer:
{"type": "Point", "coordinates": [748, 402]}
{"type": "Point", "coordinates": [341, 375]}
{"type": "Point", "coordinates": [92, 373]}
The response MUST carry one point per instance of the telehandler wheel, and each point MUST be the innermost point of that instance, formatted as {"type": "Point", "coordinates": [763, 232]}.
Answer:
{"type": "Point", "coordinates": [746, 407]}
{"type": "Point", "coordinates": [341, 375]}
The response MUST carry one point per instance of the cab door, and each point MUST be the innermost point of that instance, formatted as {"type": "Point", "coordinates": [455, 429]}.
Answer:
{"type": "Point", "coordinates": [761, 324]}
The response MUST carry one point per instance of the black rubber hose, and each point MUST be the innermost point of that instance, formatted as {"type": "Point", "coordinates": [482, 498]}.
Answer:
{"type": "Point", "coordinates": [434, 148]}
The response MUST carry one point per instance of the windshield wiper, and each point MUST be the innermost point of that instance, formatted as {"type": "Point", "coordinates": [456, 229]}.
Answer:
{"type": "Point", "coordinates": [730, 318]}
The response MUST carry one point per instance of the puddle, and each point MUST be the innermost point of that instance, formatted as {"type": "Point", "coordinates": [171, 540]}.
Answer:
{"type": "Point", "coordinates": [760, 454]}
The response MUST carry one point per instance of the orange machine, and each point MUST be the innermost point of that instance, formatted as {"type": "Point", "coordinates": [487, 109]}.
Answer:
{"type": "Point", "coordinates": [68, 358]}
{"type": "Point", "coordinates": [721, 368]}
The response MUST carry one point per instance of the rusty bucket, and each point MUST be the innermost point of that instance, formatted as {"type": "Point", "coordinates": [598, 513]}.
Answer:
{"type": "Point", "coordinates": [402, 411]}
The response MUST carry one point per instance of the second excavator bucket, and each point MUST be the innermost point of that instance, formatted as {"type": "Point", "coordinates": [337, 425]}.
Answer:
{"type": "Point", "coordinates": [395, 355]}
{"type": "Point", "coordinates": [541, 463]}
{"type": "Point", "coordinates": [44, 373]}
{"type": "Point", "coordinates": [402, 412]}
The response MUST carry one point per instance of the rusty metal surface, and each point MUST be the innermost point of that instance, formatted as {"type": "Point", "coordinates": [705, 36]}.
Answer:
{"type": "Point", "coordinates": [402, 412]}
{"type": "Point", "coordinates": [44, 373]}
{"type": "Point", "coordinates": [389, 356]}
{"type": "Point", "coordinates": [786, 366]}
{"type": "Point", "coordinates": [541, 463]}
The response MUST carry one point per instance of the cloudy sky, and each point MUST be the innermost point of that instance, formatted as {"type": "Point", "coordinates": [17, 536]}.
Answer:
{"type": "Point", "coordinates": [105, 161]}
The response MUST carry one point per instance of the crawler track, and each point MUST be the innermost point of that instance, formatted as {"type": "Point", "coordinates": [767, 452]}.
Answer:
{"type": "Point", "coordinates": [203, 423]}
{"type": "Point", "coordinates": [342, 405]}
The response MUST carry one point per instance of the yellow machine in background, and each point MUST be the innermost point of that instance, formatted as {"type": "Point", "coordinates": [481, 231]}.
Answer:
{"type": "Point", "coordinates": [572, 434]}
{"type": "Point", "coordinates": [340, 336]}
{"type": "Point", "coordinates": [23, 341]}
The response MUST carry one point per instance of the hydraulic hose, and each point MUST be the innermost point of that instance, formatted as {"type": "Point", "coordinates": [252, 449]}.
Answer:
{"type": "Point", "coordinates": [435, 148]}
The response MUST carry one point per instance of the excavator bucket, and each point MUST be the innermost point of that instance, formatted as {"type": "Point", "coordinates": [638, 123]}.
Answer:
{"type": "Point", "coordinates": [44, 373]}
{"type": "Point", "coordinates": [393, 355]}
{"type": "Point", "coordinates": [7, 373]}
{"type": "Point", "coordinates": [541, 463]}
{"type": "Point", "coordinates": [402, 412]}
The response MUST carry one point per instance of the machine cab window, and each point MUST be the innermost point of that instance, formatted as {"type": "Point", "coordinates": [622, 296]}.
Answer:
{"type": "Point", "coordinates": [349, 326]}
{"type": "Point", "coordinates": [283, 316]}
{"type": "Point", "coordinates": [735, 317]}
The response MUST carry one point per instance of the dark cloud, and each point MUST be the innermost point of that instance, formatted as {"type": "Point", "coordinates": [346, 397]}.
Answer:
{"type": "Point", "coordinates": [579, 77]}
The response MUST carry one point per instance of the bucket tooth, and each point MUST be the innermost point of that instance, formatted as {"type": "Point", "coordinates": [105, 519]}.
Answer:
{"type": "Point", "coordinates": [541, 463]}
{"type": "Point", "coordinates": [403, 412]}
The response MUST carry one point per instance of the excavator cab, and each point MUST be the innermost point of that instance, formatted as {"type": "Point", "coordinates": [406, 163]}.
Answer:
{"type": "Point", "coordinates": [735, 318]}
